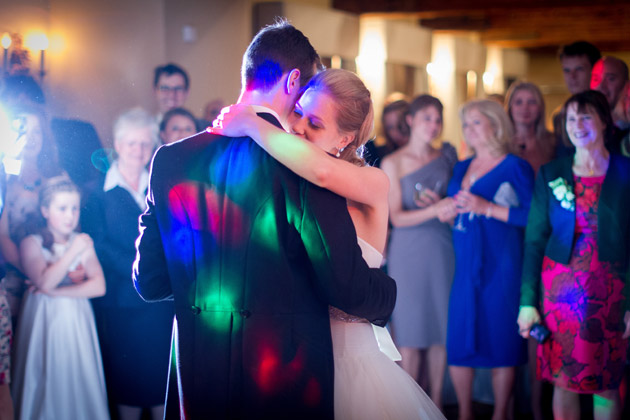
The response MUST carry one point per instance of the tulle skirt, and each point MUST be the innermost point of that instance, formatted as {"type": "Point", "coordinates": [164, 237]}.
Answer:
{"type": "Point", "coordinates": [58, 373]}
{"type": "Point", "coordinates": [368, 384]}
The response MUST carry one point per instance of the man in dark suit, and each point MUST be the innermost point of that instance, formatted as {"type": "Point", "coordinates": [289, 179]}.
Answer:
{"type": "Point", "coordinates": [253, 256]}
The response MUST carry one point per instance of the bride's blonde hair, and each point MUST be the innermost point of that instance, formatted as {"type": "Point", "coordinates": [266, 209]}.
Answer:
{"type": "Point", "coordinates": [353, 103]}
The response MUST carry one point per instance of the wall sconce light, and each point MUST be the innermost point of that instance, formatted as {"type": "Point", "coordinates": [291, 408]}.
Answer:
{"type": "Point", "coordinates": [488, 81]}
{"type": "Point", "coordinates": [39, 42]}
{"type": "Point", "coordinates": [6, 43]}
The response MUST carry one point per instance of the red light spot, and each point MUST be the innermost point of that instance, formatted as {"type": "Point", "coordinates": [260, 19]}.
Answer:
{"type": "Point", "coordinates": [312, 393]}
{"type": "Point", "coordinates": [196, 204]}
{"type": "Point", "coordinates": [268, 371]}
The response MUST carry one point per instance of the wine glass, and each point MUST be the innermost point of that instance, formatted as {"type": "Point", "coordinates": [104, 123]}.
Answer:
{"type": "Point", "coordinates": [459, 226]}
{"type": "Point", "coordinates": [438, 187]}
{"type": "Point", "coordinates": [417, 192]}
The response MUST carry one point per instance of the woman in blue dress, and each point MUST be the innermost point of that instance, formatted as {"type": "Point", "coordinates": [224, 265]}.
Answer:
{"type": "Point", "coordinates": [488, 201]}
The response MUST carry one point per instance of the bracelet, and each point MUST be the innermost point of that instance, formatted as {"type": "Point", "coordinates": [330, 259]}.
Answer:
{"type": "Point", "coordinates": [489, 211]}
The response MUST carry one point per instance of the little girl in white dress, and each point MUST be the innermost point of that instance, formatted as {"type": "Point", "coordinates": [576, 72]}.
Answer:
{"type": "Point", "coordinates": [58, 372]}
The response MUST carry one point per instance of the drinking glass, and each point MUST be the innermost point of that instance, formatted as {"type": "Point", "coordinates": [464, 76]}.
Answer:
{"type": "Point", "coordinates": [459, 226]}
{"type": "Point", "coordinates": [417, 192]}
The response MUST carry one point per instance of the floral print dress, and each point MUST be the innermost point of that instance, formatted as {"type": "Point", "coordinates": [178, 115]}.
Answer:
{"type": "Point", "coordinates": [583, 307]}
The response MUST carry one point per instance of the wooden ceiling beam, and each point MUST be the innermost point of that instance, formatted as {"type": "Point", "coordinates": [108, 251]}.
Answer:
{"type": "Point", "coordinates": [420, 6]}
{"type": "Point", "coordinates": [548, 23]}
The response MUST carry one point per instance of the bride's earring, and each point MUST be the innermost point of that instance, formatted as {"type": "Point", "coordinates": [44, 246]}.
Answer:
{"type": "Point", "coordinates": [338, 153]}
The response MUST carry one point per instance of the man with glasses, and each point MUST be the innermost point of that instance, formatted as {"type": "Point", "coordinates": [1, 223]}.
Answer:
{"type": "Point", "coordinates": [170, 85]}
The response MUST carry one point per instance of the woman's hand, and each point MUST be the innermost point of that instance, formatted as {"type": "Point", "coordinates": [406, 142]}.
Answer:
{"type": "Point", "coordinates": [446, 210]}
{"type": "Point", "coordinates": [427, 197]}
{"type": "Point", "coordinates": [626, 320]}
{"type": "Point", "coordinates": [234, 121]}
{"type": "Point", "coordinates": [32, 288]}
{"type": "Point", "coordinates": [527, 316]}
{"type": "Point", "coordinates": [468, 202]}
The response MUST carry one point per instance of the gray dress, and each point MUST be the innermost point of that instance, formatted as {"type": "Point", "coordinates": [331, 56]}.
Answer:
{"type": "Point", "coordinates": [421, 260]}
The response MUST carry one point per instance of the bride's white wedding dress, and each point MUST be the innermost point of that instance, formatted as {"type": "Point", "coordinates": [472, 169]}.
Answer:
{"type": "Point", "coordinates": [369, 384]}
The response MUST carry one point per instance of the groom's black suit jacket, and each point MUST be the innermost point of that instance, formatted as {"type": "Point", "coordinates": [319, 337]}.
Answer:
{"type": "Point", "coordinates": [252, 255]}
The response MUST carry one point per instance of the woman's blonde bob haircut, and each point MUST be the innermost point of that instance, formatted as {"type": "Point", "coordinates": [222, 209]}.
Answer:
{"type": "Point", "coordinates": [501, 140]}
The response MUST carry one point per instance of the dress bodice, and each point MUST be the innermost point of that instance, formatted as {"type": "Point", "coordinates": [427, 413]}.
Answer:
{"type": "Point", "coordinates": [373, 258]}
{"type": "Point", "coordinates": [434, 175]}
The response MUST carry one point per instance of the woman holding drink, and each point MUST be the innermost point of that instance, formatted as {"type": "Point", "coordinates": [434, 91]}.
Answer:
{"type": "Point", "coordinates": [420, 255]}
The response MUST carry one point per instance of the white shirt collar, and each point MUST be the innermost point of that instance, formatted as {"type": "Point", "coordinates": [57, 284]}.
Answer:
{"type": "Point", "coordinates": [114, 179]}
{"type": "Point", "coordinates": [261, 108]}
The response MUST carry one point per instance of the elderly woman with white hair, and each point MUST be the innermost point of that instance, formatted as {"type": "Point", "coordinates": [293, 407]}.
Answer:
{"type": "Point", "coordinates": [134, 335]}
{"type": "Point", "coordinates": [488, 201]}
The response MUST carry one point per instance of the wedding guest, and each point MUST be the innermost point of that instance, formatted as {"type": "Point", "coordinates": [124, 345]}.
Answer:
{"type": "Point", "coordinates": [576, 264]}
{"type": "Point", "coordinates": [526, 108]}
{"type": "Point", "coordinates": [6, 330]}
{"type": "Point", "coordinates": [395, 130]}
{"type": "Point", "coordinates": [171, 88]}
{"type": "Point", "coordinates": [77, 140]}
{"type": "Point", "coordinates": [177, 124]}
{"type": "Point", "coordinates": [420, 251]}
{"type": "Point", "coordinates": [58, 373]}
{"type": "Point", "coordinates": [488, 200]}
{"type": "Point", "coordinates": [577, 60]}
{"type": "Point", "coordinates": [609, 76]}
{"type": "Point", "coordinates": [621, 116]}
{"type": "Point", "coordinates": [212, 110]}
{"type": "Point", "coordinates": [135, 335]}
{"type": "Point", "coordinates": [38, 163]}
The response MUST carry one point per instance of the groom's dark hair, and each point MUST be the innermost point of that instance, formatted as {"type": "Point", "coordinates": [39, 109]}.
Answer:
{"type": "Point", "coordinates": [275, 50]}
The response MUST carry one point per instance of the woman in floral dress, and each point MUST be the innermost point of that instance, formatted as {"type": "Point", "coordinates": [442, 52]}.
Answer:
{"type": "Point", "coordinates": [576, 261]}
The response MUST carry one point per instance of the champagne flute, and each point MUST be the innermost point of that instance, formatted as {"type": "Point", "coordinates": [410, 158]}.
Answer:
{"type": "Point", "coordinates": [459, 226]}
{"type": "Point", "coordinates": [438, 187]}
{"type": "Point", "coordinates": [417, 192]}
{"type": "Point", "coordinates": [473, 179]}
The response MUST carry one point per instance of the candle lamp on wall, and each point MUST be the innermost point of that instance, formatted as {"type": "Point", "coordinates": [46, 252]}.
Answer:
{"type": "Point", "coordinates": [6, 43]}
{"type": "Point", "coordinates": [42, 46]}
{"type": "Point", "coordinates": [39, 42]}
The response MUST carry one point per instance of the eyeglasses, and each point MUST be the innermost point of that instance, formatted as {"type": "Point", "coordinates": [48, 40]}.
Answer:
{"type": "Point", "coordinates": [169, 89]}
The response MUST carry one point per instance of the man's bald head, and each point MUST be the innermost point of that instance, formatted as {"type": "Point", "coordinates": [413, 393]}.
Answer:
{"type": "Point", "coordinates": [609, 76]}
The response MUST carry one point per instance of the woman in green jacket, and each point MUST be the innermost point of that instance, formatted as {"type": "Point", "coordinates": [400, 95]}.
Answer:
{"type": "Point", "coordinates": [576, 263]}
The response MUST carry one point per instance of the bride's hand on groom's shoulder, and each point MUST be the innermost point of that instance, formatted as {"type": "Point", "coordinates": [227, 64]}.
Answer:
{"type": "Point", "coordinates": [234, 121]}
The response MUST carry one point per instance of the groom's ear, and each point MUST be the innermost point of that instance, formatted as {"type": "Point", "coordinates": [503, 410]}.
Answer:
{"type": "Point", "coordinates": [293, 81]}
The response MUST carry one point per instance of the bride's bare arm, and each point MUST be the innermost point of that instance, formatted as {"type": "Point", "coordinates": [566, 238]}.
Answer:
{"type": "Point", "coordinates": [365, 185]}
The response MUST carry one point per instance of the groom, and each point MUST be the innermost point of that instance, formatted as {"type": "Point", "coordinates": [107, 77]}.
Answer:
{"type": "Point", "coordinates": [253, 256]}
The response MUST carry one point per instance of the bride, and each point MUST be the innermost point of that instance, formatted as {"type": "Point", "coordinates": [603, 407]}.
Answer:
{"type": "Point", "coordinates": [335, 117]}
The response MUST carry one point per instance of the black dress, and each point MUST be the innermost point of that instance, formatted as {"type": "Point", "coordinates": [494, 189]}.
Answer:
{"type": "Point", "coordinates": [135, 336]}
